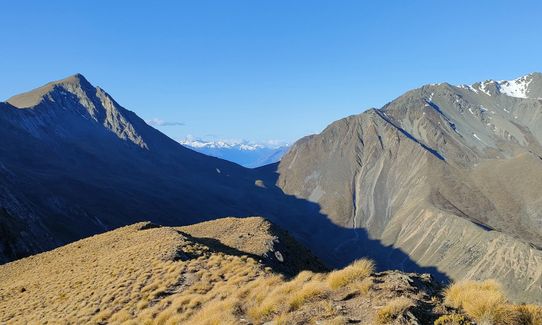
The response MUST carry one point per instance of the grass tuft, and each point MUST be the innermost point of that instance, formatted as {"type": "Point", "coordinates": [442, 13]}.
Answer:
{"type": "Point", "coordinates": [452, 319]}
{"type": "Point", "coordinates": [393, 310]}
{"type": "Point", "coordinates": [486, 303]}
{"type": "Point", "coordinates": [355, 272]}
{"type": "Point", "coordinates": [307, 292]}
{"type": "Point", "coordinates": [480, 300]}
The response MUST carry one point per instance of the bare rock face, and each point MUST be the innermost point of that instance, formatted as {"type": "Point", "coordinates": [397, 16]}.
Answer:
{"type": "Point", "coordinates": [451, 176]}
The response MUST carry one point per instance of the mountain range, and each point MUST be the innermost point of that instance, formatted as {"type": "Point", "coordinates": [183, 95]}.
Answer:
{"type": "Point", "coordinates": [244, 153]}
{"type": "Point", "coordinates": [444, 179]}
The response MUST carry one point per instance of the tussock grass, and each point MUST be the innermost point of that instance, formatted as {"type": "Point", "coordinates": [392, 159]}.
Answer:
{"type": "Point", "coordinates": [161, 276]}
{"type": "Point", "coordinates": [530, 314]}
{"type": "Point", "coordinates": [307, 292]}
{"type": "Point", "coordinates": [480, 300]}
{"type": "Point", "coordinates": [355, 272]}
{"type": "Point", "coordinates": [453, 319]}
{"type": "Point", "coordinates": [393, 310]}
{"type": "Point", "coordinates": [486, 303]}
{"type": "Point", "coordinates": [364, 286]}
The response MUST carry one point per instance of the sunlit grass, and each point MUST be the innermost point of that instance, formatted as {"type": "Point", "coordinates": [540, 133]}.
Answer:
{"type": "Point", "coordinates": [486, 303]}
{"type": "Point", "coordinates": [355, 272]}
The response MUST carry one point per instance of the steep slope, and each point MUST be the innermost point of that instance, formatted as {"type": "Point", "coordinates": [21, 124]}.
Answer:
{"type": "Point", "coordinates": [451, 176]}
{"type": "Point", "coordinates": [73, 162]}
{"type": "Point", "coordinates": [145, 273]}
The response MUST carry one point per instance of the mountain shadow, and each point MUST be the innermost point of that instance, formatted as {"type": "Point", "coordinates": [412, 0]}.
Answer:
{"type": "Point", "coordinates": [337, 246]}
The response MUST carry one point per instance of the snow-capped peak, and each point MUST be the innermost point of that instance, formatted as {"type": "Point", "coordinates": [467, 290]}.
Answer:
{"type": "Point", "coordinates": [515, 88]}
{"type": "Point", "coordinates": [244, 145]}
{"type": "Point", "coordinates": [519, 87]}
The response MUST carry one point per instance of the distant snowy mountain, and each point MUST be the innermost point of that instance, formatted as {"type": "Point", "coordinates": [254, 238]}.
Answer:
{"type": "Point", "coordinates": [242, 152]}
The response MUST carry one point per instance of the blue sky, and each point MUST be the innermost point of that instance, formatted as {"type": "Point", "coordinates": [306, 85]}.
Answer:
{"type": "Point", "coordinates": [263, 70]}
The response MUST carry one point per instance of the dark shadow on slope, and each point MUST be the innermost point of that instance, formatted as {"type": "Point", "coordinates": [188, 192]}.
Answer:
{"type": "Point", "coordinates": [434, 152]}
{"type": "Point", "coordinates": [335, 245]}
{"type": "Point", "coordinates": [288, 266]}
{"type": "Point", "coordinates": [439, 111]}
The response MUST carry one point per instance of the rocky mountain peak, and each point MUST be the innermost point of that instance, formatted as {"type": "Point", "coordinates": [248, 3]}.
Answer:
{"type": "Point", "coordinates": [466, 157]}
{"type": "Point", "coordinates": [527, 86]}
{"type": "Point", "coordinates": [77, 100]}
{"type": "Point", "coordinates": [76, 79]}
{"type": "Point", "coordinates": [36, 96]}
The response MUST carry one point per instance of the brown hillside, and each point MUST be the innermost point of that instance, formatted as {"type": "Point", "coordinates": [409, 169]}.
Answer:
{"type": "Point", "coordinates": [218, 272]}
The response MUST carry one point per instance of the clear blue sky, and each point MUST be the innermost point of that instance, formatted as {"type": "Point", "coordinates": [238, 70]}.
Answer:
{"type": "Point", "coordinates": [264, 70]}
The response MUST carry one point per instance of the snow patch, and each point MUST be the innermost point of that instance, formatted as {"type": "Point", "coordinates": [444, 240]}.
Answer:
{"type": "Point", "coordinates": [518, 88]}
{"type": "Point", "coordinates": [515, 88]}
{"type": "Point", "coordinates": [469, 87]}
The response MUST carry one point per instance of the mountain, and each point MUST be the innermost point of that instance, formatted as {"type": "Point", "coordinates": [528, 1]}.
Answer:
{"type": "Point", "coordinates": [449, 175]}
{"type": "Point", "coordinates": [244, 153]}
{"type": "Point", "coordinates": [73, 162]}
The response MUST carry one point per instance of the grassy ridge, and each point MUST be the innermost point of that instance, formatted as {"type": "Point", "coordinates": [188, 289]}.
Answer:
{"type": "Point", "coordinates": [142, 274]}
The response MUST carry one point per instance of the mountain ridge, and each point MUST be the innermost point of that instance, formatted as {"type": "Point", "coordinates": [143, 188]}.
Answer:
{"type": "Point", "coordinates": [451, 159]}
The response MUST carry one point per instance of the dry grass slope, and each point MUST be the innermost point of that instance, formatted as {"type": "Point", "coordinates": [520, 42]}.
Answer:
{"type": "Point", "coordinates": [143, 274]}
{"type": "Point", "coordinates": [257, 238]}
{"type": "Point", "coordinates": [250, 235]}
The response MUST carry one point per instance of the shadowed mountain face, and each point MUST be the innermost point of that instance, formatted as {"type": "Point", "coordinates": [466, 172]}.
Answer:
{"type": "Point", "coordinates": [73, 162]}
{"type": "Point", "coordinates": [450, 175]}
